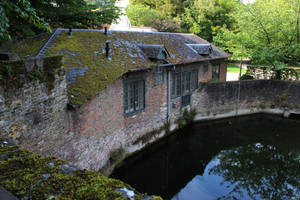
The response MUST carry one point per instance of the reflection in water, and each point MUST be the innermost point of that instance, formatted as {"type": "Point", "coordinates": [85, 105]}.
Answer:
{"type": "Point", "coordinates": [254, 157]}
{"type": "Point", "coordinates": [254, 171]}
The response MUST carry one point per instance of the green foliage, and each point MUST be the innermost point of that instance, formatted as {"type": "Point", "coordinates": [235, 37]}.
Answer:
{"type": "Point", "coordinates": [268, 32]}
{"type": "Point", "coordinates": [186, 118]}
{"type": "Point", "coordinates": [246, 77]}
{"type": "Point", "coordinates": [206, 18]}
{"type": "Point", "coordinates": [18, 19]}
{"type": "Point", "coordinates": [140, 15]}
{"type": "Point", "coordinates": [167, 8]}
{"type": "Point", "coordinates": [161, 15]}
{"type": "Point", "coordinates": [79, 14]}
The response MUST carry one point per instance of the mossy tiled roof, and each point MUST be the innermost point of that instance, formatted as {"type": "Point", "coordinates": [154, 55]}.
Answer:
{"type": "Point", "coordinates": [89, 70]}
{"type": "Point", "coordinates": [30, 176]}
{"type": "Point", "coordinates": [26, 48]}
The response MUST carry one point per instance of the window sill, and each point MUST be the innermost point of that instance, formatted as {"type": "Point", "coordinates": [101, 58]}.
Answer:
{"type": "Point", "coordinates": [131, 114]}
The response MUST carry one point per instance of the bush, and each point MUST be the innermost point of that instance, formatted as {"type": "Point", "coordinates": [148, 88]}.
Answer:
{"type": "Point", "coordinates": [246, 77]}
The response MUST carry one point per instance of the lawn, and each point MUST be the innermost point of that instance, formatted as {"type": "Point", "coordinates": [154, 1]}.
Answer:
{"type": "Point", "coordinates": [234, 69]}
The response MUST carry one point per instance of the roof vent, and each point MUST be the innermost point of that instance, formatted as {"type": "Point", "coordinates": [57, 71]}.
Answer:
{"type": "Point", "coordinates": [105, 30]}
{"type": "Point", "coordinates": [70, 30]}
{"type": "Point", "coordinates": [107, 50]}
{"type": "Point", "coordinates": [201, 49]}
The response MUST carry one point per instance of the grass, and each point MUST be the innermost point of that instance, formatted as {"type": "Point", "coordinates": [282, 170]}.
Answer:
{"type": "Point", "coordinates": [234, 69]}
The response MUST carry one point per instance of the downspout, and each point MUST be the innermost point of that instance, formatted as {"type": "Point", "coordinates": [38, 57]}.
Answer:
{"type": "Point", "coordinates": [169, 96]}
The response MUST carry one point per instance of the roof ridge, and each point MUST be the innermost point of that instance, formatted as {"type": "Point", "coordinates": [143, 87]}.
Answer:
{"type": "Point", "coordinates": [124, 31]}
{"type": "Point", "coordinates": [45, 46]}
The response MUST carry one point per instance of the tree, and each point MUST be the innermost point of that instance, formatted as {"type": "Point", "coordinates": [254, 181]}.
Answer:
{"type": "Point", "coordinates": [23, 18]}
{"type": "Point", "coordinates": [206, 17]}
{"type": "Point", "coordinates": [141, 15]}
{"type": "Point", "coordinates": [79, 14]}
{"type": "Point", "coordinates": [268, 31]}
{"type": "Point", "coordinates": [167, 8]}
{"type": "Point", "coordinates": [18, 19]}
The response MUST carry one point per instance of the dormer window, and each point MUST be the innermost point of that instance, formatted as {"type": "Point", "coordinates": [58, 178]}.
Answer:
{"type": "Point", "coordinates": [201, 49]}
{"type": "Point", "coordinates": [155, 52]}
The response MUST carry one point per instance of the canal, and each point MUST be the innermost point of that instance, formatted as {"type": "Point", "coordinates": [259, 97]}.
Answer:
{"type": "Point", "coordinates": [249, 157]}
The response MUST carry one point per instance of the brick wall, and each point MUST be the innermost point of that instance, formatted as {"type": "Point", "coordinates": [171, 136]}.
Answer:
{"type": "Point", "coordinates": [86, 136]}
{"type": "Point", "coordinates": [100, 126]}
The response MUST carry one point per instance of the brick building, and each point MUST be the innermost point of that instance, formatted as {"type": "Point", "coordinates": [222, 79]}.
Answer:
{"type": "Point", "coordinates": [122, 85]}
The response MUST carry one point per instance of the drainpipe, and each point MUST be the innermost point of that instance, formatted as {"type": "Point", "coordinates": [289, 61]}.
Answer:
{"type": "Point", "coordinates": [169, 94]}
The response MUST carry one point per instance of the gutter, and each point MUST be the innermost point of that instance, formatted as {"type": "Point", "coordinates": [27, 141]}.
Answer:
{"type": "Point", "coordinates": [169, 95]}
{"type": "Point", "coordinates": [191, 62]}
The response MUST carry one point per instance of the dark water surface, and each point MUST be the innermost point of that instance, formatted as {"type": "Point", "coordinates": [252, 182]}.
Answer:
{"type": "Point", "coordinates": [252, 157]}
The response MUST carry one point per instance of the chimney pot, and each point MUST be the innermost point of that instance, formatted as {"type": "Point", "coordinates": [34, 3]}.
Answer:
{"type": "Point", "coordinates": [70, 30]}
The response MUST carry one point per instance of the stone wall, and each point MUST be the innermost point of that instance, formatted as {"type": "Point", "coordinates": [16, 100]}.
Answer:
{"type": "Point", "coordinates": [97, 133]}
{"type": "Point", "coordinates": [33, 99]}
{"type": "Point", "coordinates": [100, 128]}
{"type": "Point", "coordinates": [213, 100]}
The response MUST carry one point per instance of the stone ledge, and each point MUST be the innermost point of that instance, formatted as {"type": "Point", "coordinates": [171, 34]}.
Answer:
{"type": "Point", "coordinates": [31, 176]}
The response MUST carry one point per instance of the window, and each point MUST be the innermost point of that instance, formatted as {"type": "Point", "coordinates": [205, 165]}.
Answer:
{"type": "Point", "coordinates": [134, 96]}
{"type": "Point", "coordinates": [184, 83]}
{"type": "Point", "coordinates": [176, 84]}
{"type": "Point", "coordinates": [159, 75]}
{"type": "Point", "coordinates": [205, 66]}
{"type": "Point", "coordinates": [186, 80]}
{"type": "Point", "coordinates": [216, 72]}
{"type": "Point", "coordinates": [194, 80]}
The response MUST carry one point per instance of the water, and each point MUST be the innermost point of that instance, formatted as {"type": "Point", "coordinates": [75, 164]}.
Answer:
{"type": "Point", "coordinates": [253, 157]}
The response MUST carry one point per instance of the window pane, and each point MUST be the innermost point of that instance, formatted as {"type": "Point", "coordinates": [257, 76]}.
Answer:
{"type": "Point", "coordinates": [205, 66]}
{"type": "Point", "coordinates": [188, 82]}
{"type": "Point", "coordinates": [173, 84]}
{"type": "Point", "coordinates": [134, 96]}
{"type": "Point", "coordinates": [216, 72]}
{"type": "Point", "coordinates": [126, 98]}
{"type": "Point", "coordinates": [131, 97]}
{"type": "Point", "coordinates": [178, 84]}
{"type": "Point", "coordinates": [140, 95]}
{"type": "Point", "coordinates": [194, 79]}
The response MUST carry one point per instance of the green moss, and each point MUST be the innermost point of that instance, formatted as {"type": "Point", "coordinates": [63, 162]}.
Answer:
{"type": "Point", "coordinates": [147, 136]}
{"type": "Point", "coordinates": [85, 50]}
{"type": "Point", "coordinates": [186, 118]}
{"type": "Point", "coordinates": [26, 48]}
{"type": "Point", "coordinates": [170, 42]}
{"type": "Point", "coordinates": [14, 74]}
{"type": "Point", "coordinates": [30, 176]}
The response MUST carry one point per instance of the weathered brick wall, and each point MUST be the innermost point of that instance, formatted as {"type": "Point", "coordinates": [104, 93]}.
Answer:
{"type": "Point", "coordinates": [86, 136]}
{"type": "Point", "coordinates": [33, 99]}
{"type": "Point", "coordinates": [100, 126]}
{"type": "Point", "coordinates": [175, 108]}
{"type": "Point", "coordinates": [246, 97]}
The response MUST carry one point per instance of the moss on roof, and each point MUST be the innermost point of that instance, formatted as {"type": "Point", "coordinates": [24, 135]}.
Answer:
{"type": "Point", "coordinates": [30, 176]}
{"type": "Point", "coordinates": [88, 69]}
{"type": "Point", "coordinates": [26, 48]}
